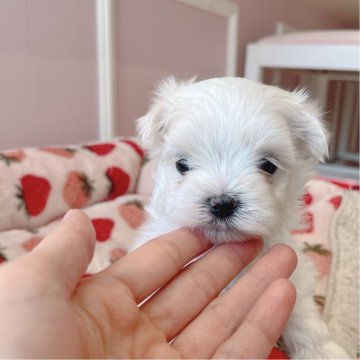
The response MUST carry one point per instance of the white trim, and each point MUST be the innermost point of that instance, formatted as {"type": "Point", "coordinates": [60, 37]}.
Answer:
{"type": "Point", "coordinates": [311, 57]}
{"type": "Point", "coordinates": [106, 55]}
{"type": "Point", "coordinates": [230, 11]}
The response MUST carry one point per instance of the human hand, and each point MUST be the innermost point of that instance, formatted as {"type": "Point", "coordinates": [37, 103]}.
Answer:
{"type": "Point", "coordinates": [48, 310]}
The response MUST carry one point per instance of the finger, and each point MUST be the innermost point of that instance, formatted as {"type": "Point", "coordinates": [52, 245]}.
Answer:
{"type": "Point", "coordinates": [263, 326]}
{"type": "Point", "coordinates": [152, 265]}
{"type": "Point", "coordinates": [66, 252]}
{"type": "Point", "coordinates": [224, 314]}
{"type": "Point", "coordinates": [172, 308]}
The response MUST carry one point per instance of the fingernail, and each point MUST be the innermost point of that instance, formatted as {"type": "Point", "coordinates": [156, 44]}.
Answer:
{"type": "Point", "coordinates": [68, 214]}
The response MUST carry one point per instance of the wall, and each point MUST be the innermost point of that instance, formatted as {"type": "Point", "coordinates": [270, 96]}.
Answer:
{"type": "Point", "coordinates": [159, 38]}
{"type": "Point", "coordinates": [47, 72]}
{"type": "Point", "coordinates": [48, 58]}
{"type": "Point", "coordinates": [162, 37]}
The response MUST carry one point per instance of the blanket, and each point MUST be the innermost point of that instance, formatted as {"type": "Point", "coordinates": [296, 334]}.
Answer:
{"type": "Point", "coordinates": [101, 178]}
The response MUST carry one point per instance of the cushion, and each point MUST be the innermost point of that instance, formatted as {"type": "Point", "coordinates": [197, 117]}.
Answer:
{"type": "Point", "coordinates": [329, 236]}
{"type": "Point", "coordinates": [41, 184]}
{"type": "Point", "coordinates": [146, 181]}
{"type": "Point", "coordinates": [116, 224]}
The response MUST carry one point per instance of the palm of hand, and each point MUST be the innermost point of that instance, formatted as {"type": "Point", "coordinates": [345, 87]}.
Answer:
{"type": "Point", "coordinates": [52, 313]}
{"type": "Point", "coordinates": [113, 320]}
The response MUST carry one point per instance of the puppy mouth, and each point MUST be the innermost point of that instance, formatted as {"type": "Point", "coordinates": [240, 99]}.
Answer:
{"type": "Point", "coordinates": [224, 231]}
{"type": "Point", "coordinates": [221, 227]}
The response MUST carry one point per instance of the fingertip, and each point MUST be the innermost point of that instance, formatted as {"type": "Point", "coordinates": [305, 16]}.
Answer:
{"type": "Point", "coordinates": [65, 253]}
{"type": "Point", "coordinates": [285, 251]}
{"type": "Point", "coordinates": [285, 291]}
{"type": "Point", "coordinates": [80, 223]}
{"type": "Point", "coordinates": [79, 219]}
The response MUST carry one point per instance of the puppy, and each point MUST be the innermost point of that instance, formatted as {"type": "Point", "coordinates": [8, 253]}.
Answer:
{"type": "Point", "coordinates": [233, 157]}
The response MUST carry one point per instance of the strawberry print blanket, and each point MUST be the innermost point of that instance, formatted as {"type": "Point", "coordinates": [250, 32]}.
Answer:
{"type": "Point", "coordinates": [38, 186]}
{"type": "Point", "coordinates": [116, 223]}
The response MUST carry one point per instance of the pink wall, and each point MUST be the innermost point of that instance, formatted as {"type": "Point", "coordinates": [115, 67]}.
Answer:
{"type": "Point", "coordinates": [159, 38]}
{"type": "Point", "coordinates": [48, 58]}
{"type": "Point", "coordinates": [47, 72]}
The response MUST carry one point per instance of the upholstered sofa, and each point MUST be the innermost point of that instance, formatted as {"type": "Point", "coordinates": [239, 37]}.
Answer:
{"type": "Point", "coordinates": [112, 184]}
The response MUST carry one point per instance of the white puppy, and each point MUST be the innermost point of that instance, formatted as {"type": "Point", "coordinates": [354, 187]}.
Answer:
{"type": "Point", "coordinates": [233, 157]}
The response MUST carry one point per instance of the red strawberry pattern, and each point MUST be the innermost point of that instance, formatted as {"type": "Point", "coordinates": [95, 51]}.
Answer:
{"type": "Point", "coordinates": [320, 302]}
{"type": "Point", "coordinates": [33, 194]}
{"type": "Point", "coordinates": [103, 228]}
{"type": "Point", "coordinates": [116, 254]}
{"type": "Point", "coordinates": [3, 258]}
{"type": "Point", "coordinates": [119, 180]}
{"type": "Point", "coordinates": [348, 185]}
{"type": "Point", "coordinates": [135, 146]}
{"type": "Point", "coordinates": [309, 221]}
{"type": "Point", "coordinates": [320, 256]}
{"type": "Point", "coordinates": [133, 213]}
{"type": "Point", "coordinates": [100, 149]}
{"type": "Point", "coordinates": [277, 354]}
{"type": "Point", "coordinates": [63, 152]}
{"type": "Point", "coordinates": [11, 157]}
{"type": "Point", "coordinates": [29, 244]}
{"type": "Point", "coordinates": [39, 184]}
{"type": "Point", "coordinates": [307, 199]}
{"type": "Point", "coordinates": [336, 201]}
{"type": "Point", "coordinates": [77, 189]}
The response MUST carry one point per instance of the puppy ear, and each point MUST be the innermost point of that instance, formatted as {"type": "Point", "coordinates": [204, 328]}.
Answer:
{"type": "Point", "coordinates": [153, 126]}
{"type": "Point", "coordinates": [308, 127]}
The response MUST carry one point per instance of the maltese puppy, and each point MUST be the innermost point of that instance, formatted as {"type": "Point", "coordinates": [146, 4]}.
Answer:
{"type": "Point", "coordinates": [233, 157]}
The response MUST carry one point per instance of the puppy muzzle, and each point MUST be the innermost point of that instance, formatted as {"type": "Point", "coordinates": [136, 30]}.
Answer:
{"type": "Point", "coordinates": [223, 206]}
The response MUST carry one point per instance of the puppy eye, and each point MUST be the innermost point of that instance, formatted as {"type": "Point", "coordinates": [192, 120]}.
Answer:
{"type": "Point", "coordinates": [182, 166]}
{"type": "Point", "coordinates": [268, 166]}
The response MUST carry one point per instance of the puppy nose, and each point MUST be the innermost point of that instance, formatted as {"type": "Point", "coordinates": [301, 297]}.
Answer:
{"type": "Point", "coordinates": [222, 206]}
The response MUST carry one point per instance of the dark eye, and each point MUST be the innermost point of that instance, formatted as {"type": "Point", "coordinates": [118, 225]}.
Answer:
{"type": "Point", "coordinates": [268, 166]}
{"type": "Point", "coordinates": [182, 166]}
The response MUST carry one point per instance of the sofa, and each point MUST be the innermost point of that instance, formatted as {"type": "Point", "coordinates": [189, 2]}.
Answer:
{"type": "Point", "coordinates": [112, 181]}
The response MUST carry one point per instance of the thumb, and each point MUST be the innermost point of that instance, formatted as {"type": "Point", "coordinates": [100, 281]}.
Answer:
{"type": "Point", "coordinates": [67, 251]}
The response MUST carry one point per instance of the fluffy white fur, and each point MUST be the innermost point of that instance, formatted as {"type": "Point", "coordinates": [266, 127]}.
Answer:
{"type": "Point", "coordinates": [225, 128]}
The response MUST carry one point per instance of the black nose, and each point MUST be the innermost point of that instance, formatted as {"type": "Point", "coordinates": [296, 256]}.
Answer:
{"type": "Point", "coordinates": [222, 206]}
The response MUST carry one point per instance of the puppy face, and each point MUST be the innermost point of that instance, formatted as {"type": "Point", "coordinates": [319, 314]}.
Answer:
{"type": "Point", "coordinates": [233, 155]}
